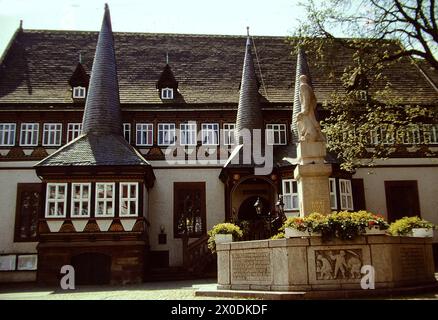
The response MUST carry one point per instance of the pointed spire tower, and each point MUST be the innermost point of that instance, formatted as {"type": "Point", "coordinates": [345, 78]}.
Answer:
{"type": "Point", "coordinates": [101, 142]}
{"type": "Point", "coordinates": [302, 69]}
{"type": "Point", "coordinates": [102, 113]}
{"type": "Point", "coordinates": [249, 112]}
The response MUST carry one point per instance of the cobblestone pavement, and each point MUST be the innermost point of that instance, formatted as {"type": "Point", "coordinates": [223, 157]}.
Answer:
{"type": "Point", "coordinates": [177, 290]}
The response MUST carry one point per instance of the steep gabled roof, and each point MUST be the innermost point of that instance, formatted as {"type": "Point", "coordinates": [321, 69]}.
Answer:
{"type": "Point", "coordinates": [208, 68]}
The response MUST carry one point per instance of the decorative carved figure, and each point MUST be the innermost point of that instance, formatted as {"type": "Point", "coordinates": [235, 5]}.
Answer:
{"type": "Point", "coordinates": [338, 264]}
{"type": "Point", "coordinates": [308, 127]}
{"type": "Point", "coordinates": [354, 265]}
{"type": "Point", "coordinates": [325, 268]}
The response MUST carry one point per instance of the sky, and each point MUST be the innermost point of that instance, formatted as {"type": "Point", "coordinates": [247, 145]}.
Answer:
{"type": "Point", "coordinates": [265, 17]}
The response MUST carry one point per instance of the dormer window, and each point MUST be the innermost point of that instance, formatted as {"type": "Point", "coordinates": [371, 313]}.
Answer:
{"type": "Point", "coordinates": [167, 93]}
{"type": "Point", "coordinates": [79, 92]}
{"type": "Point", "coordinates": [167, 85]}
{"type": "Point", "coordinates": [79, 83]}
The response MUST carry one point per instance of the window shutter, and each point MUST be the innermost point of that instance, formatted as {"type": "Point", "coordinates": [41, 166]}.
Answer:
{"type": "Point", "coordinates": [358, 194]}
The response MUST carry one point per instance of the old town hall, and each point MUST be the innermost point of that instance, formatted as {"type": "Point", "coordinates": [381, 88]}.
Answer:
{"type": "Point", "coordinates": [92, 126]}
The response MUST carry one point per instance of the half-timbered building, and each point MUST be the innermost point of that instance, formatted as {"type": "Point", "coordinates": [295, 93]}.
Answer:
{"type": "Point", "coordinates": [118, 150]}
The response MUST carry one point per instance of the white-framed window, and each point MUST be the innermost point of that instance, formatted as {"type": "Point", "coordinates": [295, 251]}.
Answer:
{"type": "Point", "coordinates": [411, 135]}
{"type": "Point", "coordinates": [276, 134]}
{"type": "Point", "coordinates": [229, 129]}
{"type": "Point", "coordinates": [80, 199]}
{"type": "Point", "coordinates": [346, 194]}
{"type": "Point", "coordinates": [387, 134]}
{"type": "Point", "coordinates": [128, 199]}
{"type": "Point", "coordinates": [29, 134]}
{"type": "Point", "coordinates": [7, 134]}
{"type": "Point", "coordinates": [56, 200]}
{"type": "Point", "coordinates": [430, 133]}
{"type": "Point", "coordinates": [79, 92]}
{"type": "Point", "coordinates": [188, 134]}
{"type": "Point", "coordinates": [52, 134]}
{"type": "Point", "coordinates": [127, 132]}
{"type": "Point", "coordinates": [333, 194]}
{"type": "Point", "coordinates": [105, 199]}
{"type": "Point", "coordinates": [375, 136]}
{"type": "Point", "coordinates": [145, 134]}
{"type": "Point", "coordinates": [210, 133]}
{"type": "Point", "coordinates": [290, 195]}
{"type": "Point", "coordinates": [166, 134]}
{"type": "Point", "coordinates": [166, 93]}
{"type": "Point", "coordinates": [73, 131]}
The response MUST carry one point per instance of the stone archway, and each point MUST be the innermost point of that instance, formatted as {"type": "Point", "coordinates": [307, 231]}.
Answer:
{"type": "Point", "coordinates": [243, 197]}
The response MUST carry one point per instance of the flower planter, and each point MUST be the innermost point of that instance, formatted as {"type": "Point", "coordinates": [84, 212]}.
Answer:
{"type": "Point", "coordinates": [294, 233]}
{"type": "Point", "coordinates": [223, 238]}
{"type": "Point", "coordinates": [422, 232]}
{"type": "Point", "coordinates": [374, 230]}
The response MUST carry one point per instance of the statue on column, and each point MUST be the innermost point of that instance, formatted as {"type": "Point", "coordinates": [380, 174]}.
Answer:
{"type": "Point", "coordinates": [308, 127]}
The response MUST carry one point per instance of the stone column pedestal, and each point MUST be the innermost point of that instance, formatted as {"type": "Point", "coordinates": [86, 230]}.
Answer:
{"type": "Point", "coordinates": [312, 178]}
{"type": "Point", "coordinates": [311, 152]}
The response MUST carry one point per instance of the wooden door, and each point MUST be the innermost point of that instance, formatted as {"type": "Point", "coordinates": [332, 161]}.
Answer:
{"type": "Point", "coordinates": [402, 199]}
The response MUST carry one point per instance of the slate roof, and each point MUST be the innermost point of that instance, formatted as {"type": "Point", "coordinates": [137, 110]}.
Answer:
{"type": "Point", "coordinates": [208, 68]}
{"type": "Point", "coordinates": [101, 142]}
{"type": "Point", "coordinates": [95, 150]}
{"type": "Point", "coordinates": [102, 114]}
{"type": "Point", "coordinates": [249, 113]}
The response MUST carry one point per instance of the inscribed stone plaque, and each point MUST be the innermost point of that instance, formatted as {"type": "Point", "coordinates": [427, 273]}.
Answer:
{"type": "Point", "coordinates": [252, 265]}
{"type": "Point", "coordinates": [412, 262]}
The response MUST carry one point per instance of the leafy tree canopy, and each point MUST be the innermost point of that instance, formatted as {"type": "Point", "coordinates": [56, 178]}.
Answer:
{"type": "Point", "coordinates": [364, 118]}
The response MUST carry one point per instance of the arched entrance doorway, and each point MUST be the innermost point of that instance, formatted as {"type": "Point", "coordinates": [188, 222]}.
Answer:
{"type": "Point", "coordinates": [243, 197]}
{"type": "Point", "coordinates": [256, 225]}
{"type": "Point", "coordinates": [92, 268]}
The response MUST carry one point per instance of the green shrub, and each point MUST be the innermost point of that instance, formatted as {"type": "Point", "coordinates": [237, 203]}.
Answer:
{"type": "Point", "coordinates": [405, 225]}
{"type": "Point", "coordinates": [223, 228]}
{"type": "Point", "coordinates": [344, 225]}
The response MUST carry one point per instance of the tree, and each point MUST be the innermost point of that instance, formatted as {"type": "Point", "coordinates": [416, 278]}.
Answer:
{"type": "Point", "coordinates": [364, 118]}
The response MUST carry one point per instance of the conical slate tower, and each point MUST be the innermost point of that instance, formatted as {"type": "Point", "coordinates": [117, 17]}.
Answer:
{"type": "Point", "coordinates": [249, 113]}
{"type": "Point", "coordinates": [101, 142]}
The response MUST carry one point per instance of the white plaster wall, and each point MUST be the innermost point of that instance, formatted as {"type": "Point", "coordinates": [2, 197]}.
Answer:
{"type": "Point", "coordinates": [161, 205]}
{"type": "Point", "coordinates": [427, 179]}
{"type": "Point", "coordinates": [8, 197]}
